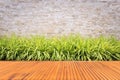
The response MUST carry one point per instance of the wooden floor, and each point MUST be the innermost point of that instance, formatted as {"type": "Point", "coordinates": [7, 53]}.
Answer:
{"type": "Point", "coordinates": [59, 70]}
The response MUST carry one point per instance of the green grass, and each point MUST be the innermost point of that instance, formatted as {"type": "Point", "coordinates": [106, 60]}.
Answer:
{"type": "Point", "coordinates": [72, 47]}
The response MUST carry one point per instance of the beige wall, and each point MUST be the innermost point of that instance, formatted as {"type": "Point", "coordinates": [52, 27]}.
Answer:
{"type": "Point", "coordinates": [87, 17]}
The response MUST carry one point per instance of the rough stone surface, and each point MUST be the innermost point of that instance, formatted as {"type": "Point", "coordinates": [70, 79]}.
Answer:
{"type": "Point", "coordinates": [56, 17]}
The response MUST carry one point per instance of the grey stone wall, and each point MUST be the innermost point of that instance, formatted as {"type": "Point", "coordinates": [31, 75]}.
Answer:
{"type": "Point", "coordinates": [57, 17]}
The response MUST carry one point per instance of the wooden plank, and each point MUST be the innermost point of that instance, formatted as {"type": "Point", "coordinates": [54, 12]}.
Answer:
{"type": "Point", "coordinates": [60, 70]}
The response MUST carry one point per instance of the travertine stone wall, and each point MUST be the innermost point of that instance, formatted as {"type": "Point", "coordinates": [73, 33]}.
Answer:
{"type": "Point", "coordinates": [53, 17]}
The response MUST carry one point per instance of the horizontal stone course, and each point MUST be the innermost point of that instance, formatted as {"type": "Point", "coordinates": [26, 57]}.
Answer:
{"type": "Point", "coordinates": [87, 17]}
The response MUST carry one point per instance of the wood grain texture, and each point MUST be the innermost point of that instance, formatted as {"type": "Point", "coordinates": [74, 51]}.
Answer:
{"type": "Point", "coordinates": [60, 70]}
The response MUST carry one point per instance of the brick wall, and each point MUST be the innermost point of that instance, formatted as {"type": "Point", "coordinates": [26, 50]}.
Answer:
{"type": "Point", "coordinates": [57, 17]}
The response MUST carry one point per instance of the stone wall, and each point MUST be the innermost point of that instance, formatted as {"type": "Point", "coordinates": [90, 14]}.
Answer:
{"type": "Point", "coordinates": [53, 17]}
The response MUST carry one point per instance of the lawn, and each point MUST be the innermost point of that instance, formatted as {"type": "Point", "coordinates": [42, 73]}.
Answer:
{"type": "Point", "coordinates": [64, 48]}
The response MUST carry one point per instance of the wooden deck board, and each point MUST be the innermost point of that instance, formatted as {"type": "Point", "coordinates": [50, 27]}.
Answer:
{"type": "Point", "coordinates": [60, 70]}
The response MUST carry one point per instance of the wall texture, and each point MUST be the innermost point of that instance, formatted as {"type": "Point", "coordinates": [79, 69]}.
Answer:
{"type": "Point", "coordinates": [53, 17]}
